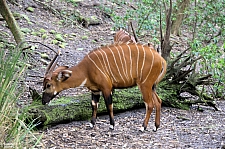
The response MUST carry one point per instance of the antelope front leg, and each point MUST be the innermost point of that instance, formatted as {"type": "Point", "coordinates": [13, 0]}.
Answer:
{"type": "Point", "coordinates": [109, 106]}
{"type": "Point", "coordinates": [94, 104]}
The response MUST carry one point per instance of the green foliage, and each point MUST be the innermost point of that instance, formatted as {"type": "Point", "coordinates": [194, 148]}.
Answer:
{"type": "Point", "coordinates": [206, 22]}
{"type": "Point", "coordinates": [146, 14]}
{"type": "Point", "coordinates": [208, 19]}
{"type": "Point", "coordinates": [213, 63]}
{"type": "Point", "coordinates": [14, 132]}
{"type": "Point", "coordinates": [143, 14]}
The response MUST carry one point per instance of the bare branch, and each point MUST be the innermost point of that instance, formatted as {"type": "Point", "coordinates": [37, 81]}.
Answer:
{"type": "Point", "coordinates": [134, 33]}
{"type": "Point", "coordinates": [24, 42]}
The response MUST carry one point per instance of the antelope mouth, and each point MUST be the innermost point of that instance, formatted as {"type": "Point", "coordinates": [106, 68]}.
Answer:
{"type": "Point", "coordinates": [47, 97]}
{"type": "Point", "coordinates": [45, 103]}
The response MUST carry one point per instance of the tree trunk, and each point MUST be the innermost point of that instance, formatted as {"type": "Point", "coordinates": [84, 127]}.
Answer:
{"type": "Point", "coordinates": [179, 15]}
{"type": "Point", "coordinates": [9, 18]}
{"type": "Point", "coordinates": [165, 41]}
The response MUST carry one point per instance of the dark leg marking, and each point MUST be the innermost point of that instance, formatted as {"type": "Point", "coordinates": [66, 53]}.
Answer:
{"type": "Point", "coordinates": [109, 106]}
{"type": "Point", "coordinates": [94, 104]}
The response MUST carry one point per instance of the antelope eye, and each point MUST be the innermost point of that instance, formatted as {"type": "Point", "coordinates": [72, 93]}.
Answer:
{"type": "Point", "coordinates": [48, 85]}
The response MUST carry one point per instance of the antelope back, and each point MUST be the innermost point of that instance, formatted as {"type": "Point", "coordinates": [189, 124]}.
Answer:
{"type": "Point", "coordinates": [122, 37]}
{"type": "Point", "coordinates": [126, 65]}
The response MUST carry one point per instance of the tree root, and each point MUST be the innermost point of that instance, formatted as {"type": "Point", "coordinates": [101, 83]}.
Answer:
{"type": "Point", "coordinates": [182, 77]}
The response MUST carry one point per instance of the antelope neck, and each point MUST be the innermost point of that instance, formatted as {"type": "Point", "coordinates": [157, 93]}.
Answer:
{"type": "Point", "coordinates": [78, 77]}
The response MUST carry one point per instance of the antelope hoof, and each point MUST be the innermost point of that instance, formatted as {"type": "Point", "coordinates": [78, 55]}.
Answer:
{"type": "Point", "coordinates": [111, 127]}
{"type": "Point", "coordinates": [91, 125]}
{"type": "Point", "coordinates": [142, 129]}
{"type": "Point", "coordinates": [156, 128]}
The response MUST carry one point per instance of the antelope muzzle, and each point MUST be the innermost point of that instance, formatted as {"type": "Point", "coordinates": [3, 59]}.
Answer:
{"type": "Point", "coordinates": [47, 97]}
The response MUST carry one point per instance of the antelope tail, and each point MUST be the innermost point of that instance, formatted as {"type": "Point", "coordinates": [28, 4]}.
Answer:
{"type": "Point", "coordinates": [163, 71]}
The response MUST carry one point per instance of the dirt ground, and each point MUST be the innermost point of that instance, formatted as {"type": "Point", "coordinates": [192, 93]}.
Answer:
{"type": "Point", "coordinates": [179, 128]}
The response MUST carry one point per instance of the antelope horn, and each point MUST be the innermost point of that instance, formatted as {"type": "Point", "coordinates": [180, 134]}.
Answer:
{"type": "Point", "coordinates": [52, 64]}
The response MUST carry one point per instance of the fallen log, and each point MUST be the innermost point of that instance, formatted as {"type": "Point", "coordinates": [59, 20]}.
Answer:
{"type": "Point", "coordinates": [68, 109]}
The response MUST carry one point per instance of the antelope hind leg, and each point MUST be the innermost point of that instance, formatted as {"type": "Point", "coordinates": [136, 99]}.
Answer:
{"type": "Point", "coordinates": [157, 102]}
{"type": "Point", "coordinates": [147, 97]}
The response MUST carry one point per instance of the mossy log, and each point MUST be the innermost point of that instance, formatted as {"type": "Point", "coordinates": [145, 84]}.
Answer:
{"type": "Point", "coordinates": [68, 109]}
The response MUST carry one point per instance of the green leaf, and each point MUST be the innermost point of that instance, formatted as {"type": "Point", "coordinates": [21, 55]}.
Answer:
{"type": "Point", "coordinates": [44, 55]}
{"type": "Point", "coordinates": [42, 30]}
{"type": "Point", "coordinates": [84, 37]}
{"type": "Point", "coordinates": [25, 30]}
{"type": "Point", "coordinates": [59, 37]}
{"type": "Point", "coordinates": [63, 45]}
{"type": "Point", "coordinates": [1, 45]}
{"type": "Point", "coordinates": [16, 15]}
{"type": "Point", "coordinates": [52, 32]}
{"type": "Point", "coordinates": [25, 17]}
{"type": "Point", "coordinates": [55, 41]}
{"type": "Point", "coordinates": [36, 33]}
{"type": "Point", "coordinates": [30, 9]}
{"type": "Point", "coordinates": [44, 36]}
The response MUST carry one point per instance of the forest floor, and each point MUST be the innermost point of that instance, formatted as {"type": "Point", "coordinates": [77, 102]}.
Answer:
{"type": "Point", "coordinates": [179, 128]}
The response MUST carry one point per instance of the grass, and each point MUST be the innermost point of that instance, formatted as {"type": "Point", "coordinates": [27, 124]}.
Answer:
{"type": "Point", "coordinates": [15, 133]}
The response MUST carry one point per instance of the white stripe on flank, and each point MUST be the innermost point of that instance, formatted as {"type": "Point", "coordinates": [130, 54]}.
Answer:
{"type": "Point", "coordinates": [110, 71]}
{"type": "Point", "coordinates": [125, 64]}
{"type": "Point", "coordinates": [116, 63]}
{"type": "Point", "coordinates": [137, 58]}
{"type": "Point", "coordinates": [99, 61]}
{"type": "Point", "coordinates": [121, 61]}
{"type": "Point", "coordinates": [130, 62]}
{"type": "Point", "coordinates": [143, 63]}
{"type": "Point", "coordinates": [150, 68]}
{"type": "Point", "coordinates": [103, 58]}
{"type": "Point", "coordinates": [96, 65]}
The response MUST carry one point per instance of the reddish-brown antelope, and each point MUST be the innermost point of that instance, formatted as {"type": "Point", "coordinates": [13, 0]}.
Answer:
{"type": "Point", "coordinates": [107, 68]}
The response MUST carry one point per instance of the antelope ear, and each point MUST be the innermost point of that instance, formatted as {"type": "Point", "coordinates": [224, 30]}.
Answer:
{"type": "Point", "coordinates": [64, 75]}
{"type": "Point", "coordinates": [60, 68]}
